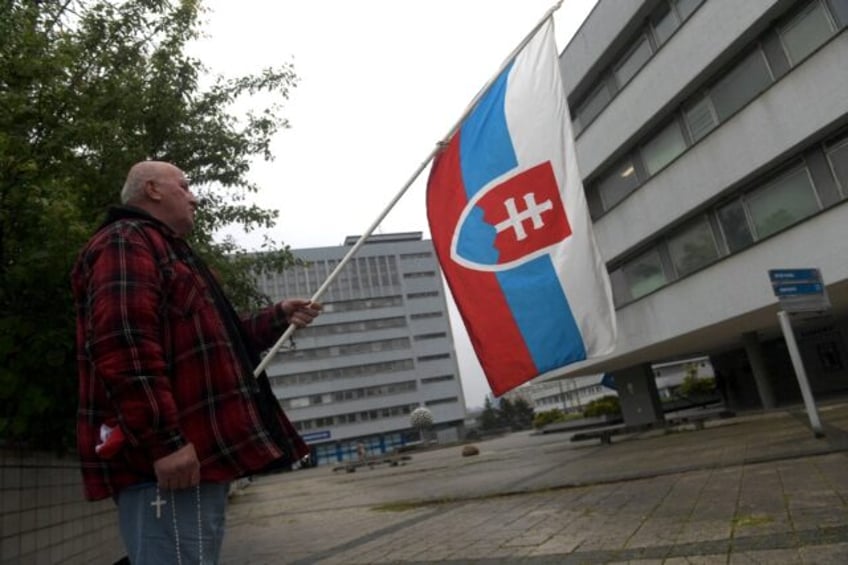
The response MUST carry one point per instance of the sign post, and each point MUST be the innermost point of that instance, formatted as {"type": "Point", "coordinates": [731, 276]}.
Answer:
{"type": "Point", "coordinates": [800, 292]}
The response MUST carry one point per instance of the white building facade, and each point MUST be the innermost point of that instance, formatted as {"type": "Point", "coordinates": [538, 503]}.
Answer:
{"type": "Point", "coordinates": [712, 138]}
{"type": "Point", "coordinates": [382, 347]}
{"type": "Point", "coordinates": [569, 395]}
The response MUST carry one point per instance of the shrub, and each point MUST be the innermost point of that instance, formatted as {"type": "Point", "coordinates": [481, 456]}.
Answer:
{"type": "Point", "coordinates": [604, 406]}
{"type": "Point", "coordinates": [693, 386]}
{"type": "Point", "coordinates": [548, 417]}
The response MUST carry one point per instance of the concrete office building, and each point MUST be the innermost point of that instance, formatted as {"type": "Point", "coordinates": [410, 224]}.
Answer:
{"type": "Point", "coordinates": [569, 395]}
{"type": "Point", "coordinates": [712, 138]}
{"type": "Point", "coordinates": [382, 348]}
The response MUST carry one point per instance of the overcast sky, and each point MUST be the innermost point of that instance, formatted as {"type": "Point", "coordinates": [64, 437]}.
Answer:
{"type": "Point", "coordinates": [381, 82]}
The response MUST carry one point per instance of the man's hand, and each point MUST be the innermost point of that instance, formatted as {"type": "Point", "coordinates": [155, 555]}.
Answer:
{"type": "Point", "coordinates": [300, 312]}
{"type": "Point", "coordinates": [179, 470]}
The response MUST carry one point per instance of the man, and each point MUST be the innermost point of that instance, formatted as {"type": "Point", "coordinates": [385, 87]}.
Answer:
{"type": "Point", "coordinates": [169, 410]}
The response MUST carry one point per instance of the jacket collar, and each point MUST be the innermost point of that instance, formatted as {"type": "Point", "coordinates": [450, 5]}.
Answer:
{"type": "Point", "coordinates": [126, 212]}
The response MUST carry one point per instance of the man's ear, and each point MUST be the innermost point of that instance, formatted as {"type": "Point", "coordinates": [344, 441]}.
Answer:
{"type": "Point", "coordinates": [151, 190]}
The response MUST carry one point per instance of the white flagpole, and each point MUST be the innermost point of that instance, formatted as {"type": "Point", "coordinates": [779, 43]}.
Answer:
{"type": "Point", "coordinates": [363, 238]}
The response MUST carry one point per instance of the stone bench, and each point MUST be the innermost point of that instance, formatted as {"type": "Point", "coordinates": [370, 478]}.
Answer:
{"type": "Point", "coordinates": [370, 462]}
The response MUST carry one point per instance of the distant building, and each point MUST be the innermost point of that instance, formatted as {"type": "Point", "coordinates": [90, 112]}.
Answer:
{"type": "Point", "coordinates": [569, 395]}
{"type": "Point", "coordinates": [712, 139]}
{"type": "Point", "coordinates": [669, 376]}
{"type": "Point", "coordinates": [382, 348]}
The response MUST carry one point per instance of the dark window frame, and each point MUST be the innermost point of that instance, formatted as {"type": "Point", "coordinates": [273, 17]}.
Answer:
{"type": "Point", "coordinates": [795, 17]}
{"type": "Point", "coordinates": [644, 38]}
{"type": "Point", "coordinates": [837, 144]}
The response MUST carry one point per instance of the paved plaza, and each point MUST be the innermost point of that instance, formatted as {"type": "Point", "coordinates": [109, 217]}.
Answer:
{"type": "Point", "coordinates": [756, 488]}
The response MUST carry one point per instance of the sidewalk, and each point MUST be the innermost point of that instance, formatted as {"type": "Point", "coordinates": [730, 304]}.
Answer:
{"type": "Point", "coordinates": [757, 488]}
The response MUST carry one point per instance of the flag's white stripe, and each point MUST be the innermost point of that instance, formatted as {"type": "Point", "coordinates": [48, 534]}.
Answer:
{"type": "Point", "coordinates": [541, 131]}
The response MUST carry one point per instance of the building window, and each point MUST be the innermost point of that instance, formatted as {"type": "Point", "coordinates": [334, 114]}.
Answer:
{"type": "Point", "coordinates": [424, 315]}
{"type": "Point", "coordinates": [634, 61]}
{"type": "Point", "coordinates": [701, 118]}
{"type": "Point", "coordinates": [806, 32]}
{"type": "Point", "coordinates": [663, 148]}
{"type": "Point", "coordinates": [435, 357]}
{"type": "Point", "coordinates": [419, 274]}
{"type": "Point", "coordinates": [423, 337]}
{"type": "Point", "coordinates": [620, 182]}
{"type": "Point", "coordinates": [664, 22]}
{"type": "Point", "coordinates": [348, 349]}
{"type": "Point", "coordinates": [365, 304]}
{"type": "Point", "coordinates": [782, 203]}
{"type": "Point", "coordinates": [839, 8]}
{"type": "Point", "coordinates": [686, 7]}
{"type": "Point", "coordinates": [693, 247]}
{"type": "Point", "coordinates": [436, 402]}
{"type": "Point", "coordinates": [735, 227]}
{"type": "Point", "coordinates": [301, 402]}
{"type": "Point", "coordinates": [620, 288]}
{"type": "Point", "coordinates": [741, 84]}
{"type": "Point", "coordinates": [593, 105]}
{"type": "Point", "coordinates": [644, 274]}
{"type": "Point", "coordinates": [838, 157]}
{"type": "Point", "coordinates": [353, 327]}
{"type": "Point", "coordinates": [593, 201]}
{"type": "Point", "coordinates": [428, 294]}
{"type": "Point", "coordinates": [433, 380]}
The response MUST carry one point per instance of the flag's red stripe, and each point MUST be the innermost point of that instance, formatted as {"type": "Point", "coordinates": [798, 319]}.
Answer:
{"type": "Point", "coordinates": [499, 345]}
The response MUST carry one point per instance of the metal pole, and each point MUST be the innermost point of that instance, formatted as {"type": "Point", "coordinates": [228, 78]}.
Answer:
{"type": "Point", "coordinates": [439, 146]}
{"type": "Point", "coordinates": [800, 373]}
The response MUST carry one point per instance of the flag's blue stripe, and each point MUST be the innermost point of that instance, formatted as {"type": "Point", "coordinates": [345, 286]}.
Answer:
{"type": "Point", "coordinates": [485, 147]}
{"type": "Point", "coordinates": [533, 291]}
{"type": "Point", "coordinates": [542, 313]}
{"type": "Point", "coordinates": [485, 152]}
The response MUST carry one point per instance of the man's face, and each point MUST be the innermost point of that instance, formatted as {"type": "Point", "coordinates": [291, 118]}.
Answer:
{"type": "Point", "coordinates": [177, 203]}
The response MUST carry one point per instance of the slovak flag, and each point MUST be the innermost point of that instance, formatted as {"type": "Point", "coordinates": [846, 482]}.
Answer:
{"type": "Point", "coordinates": [511, 229]}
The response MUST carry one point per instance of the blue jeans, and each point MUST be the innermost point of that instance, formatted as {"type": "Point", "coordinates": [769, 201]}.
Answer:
{"type": "Point", "coordinates": [181, 527]}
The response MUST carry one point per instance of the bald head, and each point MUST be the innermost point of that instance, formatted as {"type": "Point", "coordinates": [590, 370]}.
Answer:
{"type": "Point", "coordinates": [161, 189]}
{"type": "Point", "coordinates": [141, 173]}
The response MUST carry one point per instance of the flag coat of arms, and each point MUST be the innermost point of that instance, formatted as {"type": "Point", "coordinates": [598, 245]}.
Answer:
{"type": "Point", "coordinates": [511, 229]}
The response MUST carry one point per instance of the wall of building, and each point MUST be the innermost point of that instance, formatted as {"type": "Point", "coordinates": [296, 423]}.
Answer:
{"type": "Point", "coordinates": [787, 126]}
{"type": "Point", "coordinates": [44, 518]}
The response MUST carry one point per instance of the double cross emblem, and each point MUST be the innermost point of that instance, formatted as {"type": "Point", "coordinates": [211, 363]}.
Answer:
{"type": "Point", "coordinates": [518, 218]}
{"type": "Point", "coordinates": [515, 219]}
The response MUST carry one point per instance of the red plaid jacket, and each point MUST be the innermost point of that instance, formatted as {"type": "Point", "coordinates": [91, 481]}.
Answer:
{"type": "Point", "coordinates": [157, 356]}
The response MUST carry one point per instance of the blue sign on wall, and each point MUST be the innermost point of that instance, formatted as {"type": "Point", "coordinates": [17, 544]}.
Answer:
{"type": "Point", "coordinates": [315, 436]}
{"type": "Point", "coordinates": [798, 289]}
{"type": "Point", "coordinates": [794, 275]}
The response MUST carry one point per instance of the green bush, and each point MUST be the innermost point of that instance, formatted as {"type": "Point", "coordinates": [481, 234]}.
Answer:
{"type": "Point", "coordinates": [693, 386]}
{"type": "Point", "coordinates": [548, 417]}
{"type": "Point", "coordinates": [604, 406]}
